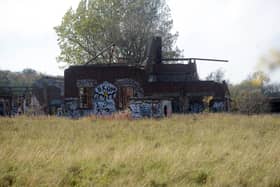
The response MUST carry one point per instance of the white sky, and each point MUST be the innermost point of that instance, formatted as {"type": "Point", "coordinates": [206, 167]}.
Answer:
{"type": "Point", "coordinates": [240, 31]}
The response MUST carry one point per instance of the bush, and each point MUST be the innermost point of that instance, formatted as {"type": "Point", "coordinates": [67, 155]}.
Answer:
{"type": "Point", "coordinates": [253, 102]}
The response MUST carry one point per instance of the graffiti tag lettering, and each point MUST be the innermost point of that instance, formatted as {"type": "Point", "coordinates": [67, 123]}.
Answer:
{"type": "Point", "coordinates": [104, 96]}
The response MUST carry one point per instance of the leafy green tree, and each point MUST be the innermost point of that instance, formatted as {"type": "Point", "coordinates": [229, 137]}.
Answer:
{"type": "Point", "coordinates": [4, 80]}
{"type": "Point", "coordinates": [25, 78]}
{"type": "Point", "coordinates": [129, 24]}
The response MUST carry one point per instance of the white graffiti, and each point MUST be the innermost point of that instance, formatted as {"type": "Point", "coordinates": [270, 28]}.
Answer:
{"type": "Point", "coordinates": [86, 83]}
{"type": "Point", "coordinates": [156, 110]}
{"type": "Point", "coordinates": [135, 110]}
{"type": "Point", "coordinates": [143, 108]}
{"type": "Point", "coordinates": [105, 91]}
{"type": "Point", "coordinates": [104, 107]}
{"type": "Point", "coordinates": [72, 107]}
{"type": "Point", "coordinates": [104, 96]}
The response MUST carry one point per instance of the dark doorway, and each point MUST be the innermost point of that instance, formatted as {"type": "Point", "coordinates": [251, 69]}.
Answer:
{"type": "Point", "coordinates": [165, 111]}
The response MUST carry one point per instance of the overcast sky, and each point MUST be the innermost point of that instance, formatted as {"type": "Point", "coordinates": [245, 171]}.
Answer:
{"type": "Point", "coordinates": [240, 31]}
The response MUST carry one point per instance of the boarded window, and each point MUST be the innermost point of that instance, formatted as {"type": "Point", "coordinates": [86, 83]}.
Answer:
{"type": "Point", "coordinates": [124, 95]}
{"type": "Point", "coordinates": [85, 97]}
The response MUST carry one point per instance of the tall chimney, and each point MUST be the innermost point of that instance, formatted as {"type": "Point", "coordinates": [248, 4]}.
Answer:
{"type": "Point", "coordinates": [154, 53]}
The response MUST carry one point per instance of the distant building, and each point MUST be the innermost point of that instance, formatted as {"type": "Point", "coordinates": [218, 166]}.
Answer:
{"type": "Point", "coordinates": [45, 96]}
{"type": "Point", "coordinates": [49, 91]}
{"type": "Point", "coordinates": [14, 100]}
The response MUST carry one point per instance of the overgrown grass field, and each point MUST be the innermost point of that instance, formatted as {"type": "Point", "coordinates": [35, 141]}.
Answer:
{"type": "Point", "coordinates": [190, 150]}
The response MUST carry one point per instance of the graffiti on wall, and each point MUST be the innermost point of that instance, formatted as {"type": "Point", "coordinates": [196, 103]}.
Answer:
{"type": "Point", "coordinates": [218, 106]}
{"type": "Point", "coordinates": [146, 109]}
{"type": "Point", "coordinates": [143, 108]}
{"type": "Point", "coordinates": [72, 107]}
{"type": "Point", "coordinates": [130, 83]}
{"type": "Point", "coordinates": [196, 107]}
{"type": "Point", "coordinates": [140, 109]}
{"type": "Point", "coordinates": [135, 109]}
{"type": "Point", "coordinates": [86, 83]}
{"type": "Point", "coordinates": [157, 110]}
{"type": "Point", "coordinates": [104, 95]}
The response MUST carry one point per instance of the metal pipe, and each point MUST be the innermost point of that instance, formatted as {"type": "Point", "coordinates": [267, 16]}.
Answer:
{"type": "Point", "coordinates": [100, 53]}
{"type": "Point", "coordinates": [190, 59]}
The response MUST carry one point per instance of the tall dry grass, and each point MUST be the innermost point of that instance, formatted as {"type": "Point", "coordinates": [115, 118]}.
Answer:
{"type": "Point", "coordinates": [191, 150]}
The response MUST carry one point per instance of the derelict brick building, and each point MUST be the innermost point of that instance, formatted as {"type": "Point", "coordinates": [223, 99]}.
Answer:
{"type": "Point", "coordinates": [105, 88]}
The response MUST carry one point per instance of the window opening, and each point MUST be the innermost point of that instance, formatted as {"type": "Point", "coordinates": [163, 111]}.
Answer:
{"type": "Point", "coordinates": [85, 97]}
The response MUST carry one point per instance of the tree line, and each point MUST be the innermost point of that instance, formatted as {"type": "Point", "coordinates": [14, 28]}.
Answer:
{"type": "Point", "coordinates": [24, 78]}
{"type": "Point", "coordinates": [250, 96]}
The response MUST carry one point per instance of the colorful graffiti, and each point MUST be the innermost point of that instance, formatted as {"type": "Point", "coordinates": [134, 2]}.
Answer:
{"type": "Point", "coordinates": [148, 108]}
{"type": "Point", "coordinates": [104, 96]}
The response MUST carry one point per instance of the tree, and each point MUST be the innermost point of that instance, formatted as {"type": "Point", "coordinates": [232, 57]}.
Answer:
{"type": "Point", "coordinates": [249, 96]}
{"type": "Point", "coordinates": [4, 80]}
{"type": "Point", "coordinates": [252, 101]}
{"type": "Point", "coordinates": [25, 78]}
{"type": "Point", "coordinates": [257, 80]}
{"type": "Point", "coordinates": [218, 76]}
{"type": "Point", "coordinates": [129, 24]}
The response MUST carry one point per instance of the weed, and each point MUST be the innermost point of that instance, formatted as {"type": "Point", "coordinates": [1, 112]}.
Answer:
{"type": "Point", "coordinates": [7, 180]}
{"type": "Point", "coordinates": [156, 184]}
{"type": "Point", "coordinates": [201, 178]}
{"type": "Point", "coordinates": [73, 176]}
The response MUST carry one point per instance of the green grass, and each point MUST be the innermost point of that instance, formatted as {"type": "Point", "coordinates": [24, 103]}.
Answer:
{"type": "Point", "coordinates": [191, 150]}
